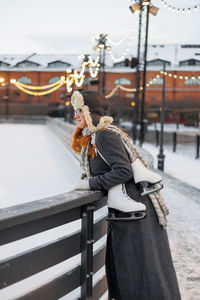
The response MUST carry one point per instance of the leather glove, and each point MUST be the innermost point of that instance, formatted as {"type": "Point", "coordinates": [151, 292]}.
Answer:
{"type": "Point", "coordinates": [82, 184]}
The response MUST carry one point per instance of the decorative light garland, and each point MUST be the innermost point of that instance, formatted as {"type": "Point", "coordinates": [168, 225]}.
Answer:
{"type": "Point", "coordinates": [38, 93]}
{"type": "Point", "coordinates": [121, 87]}
{"type": "Point", "coordinates": [43, 87]}
{"type": "Point", "coordinates": [150, 82]}
{"type": "Point", "coordinates": [93, 63]}
{"type": "Point", "coordinates": [93, 74]}
{"type": "Point", "coordinates": [126, 35]}
{"type": "Point", "coordinates": [178, 10]}
{"type": "Point", "coordinates": [178, 76]}
{"type": "Point", "coordinates": [125, 52]}
{"type": "Point", "coordinates": [79, 81]}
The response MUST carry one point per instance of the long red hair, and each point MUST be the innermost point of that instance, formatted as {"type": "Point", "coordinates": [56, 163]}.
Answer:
{"type": "Point", "coordinates": [80, 141]}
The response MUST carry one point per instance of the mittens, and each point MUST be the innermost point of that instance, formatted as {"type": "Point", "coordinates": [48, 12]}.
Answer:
{"type": "Point", "coordinates": [82, 184]}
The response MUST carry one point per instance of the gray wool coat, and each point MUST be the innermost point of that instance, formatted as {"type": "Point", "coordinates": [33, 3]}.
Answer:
{"type": "Point", "coordinates": [138, 259]}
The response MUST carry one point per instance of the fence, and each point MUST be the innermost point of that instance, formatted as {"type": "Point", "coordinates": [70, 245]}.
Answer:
{"type": "Point", "coordinates": [25, 220]}
{"type": "Point", "coordinates": [86, 278]}
{"type": "Point", "coordinates": [187, 144]}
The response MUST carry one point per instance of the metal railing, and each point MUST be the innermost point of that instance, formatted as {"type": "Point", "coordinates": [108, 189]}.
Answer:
{"type": "Point", "coordinates": [24, 220]}
{"type": "Point", "coordinates": [187, 144]}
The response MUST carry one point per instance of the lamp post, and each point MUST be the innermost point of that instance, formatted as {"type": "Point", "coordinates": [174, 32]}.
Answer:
{"type": "Point", "coordinates": [85, 59]}
{"type": "Point", "coordinates": [137, 79]}
{"type": "Point", "coordinates": [161, 155]}
{"type": "Point", "coordinates": [102, 46]}
{"type": "Point", "coordinates": [142, 115]}
{"type": "Point", "coordinates": [139, 6]}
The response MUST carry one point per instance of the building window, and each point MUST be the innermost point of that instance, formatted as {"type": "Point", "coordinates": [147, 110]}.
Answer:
{"type": "Point", "coordinates": [2, 64]}
{"type": "Point", "coordinates": [190, 46]}
{"type": "Point", "coordinates": [58, 64]}
{"type": "Point", "coordinates": [54, 79]}
{"type": "Point", "coordinates": [192, 81]}
{"type": "Point", "coordinates": [87, 80]}
{"type": "Point", "coordinates": [119, 64]}
{"type": "Point", "coordinates": [156, 81]}
{"type": "Point", "coordinates": [63, 96]}
{"type": "Point", "coordinates": [158, 62]}
{"type": "Point", "coordinates": [27, 64]}
{"type": "Point", "coordinates": [16, 94]}
{"type": "Point", "coordinates": [123, 81]}
{"type": "Point", "coordinates": [25, 80]}
{"type": "Point", "coordinates": [190, 62]}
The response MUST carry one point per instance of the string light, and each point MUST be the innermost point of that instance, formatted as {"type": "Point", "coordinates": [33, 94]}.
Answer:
{"type": "Point", "coordinates": [43, 87]}
{"type": "Point", "coordinates": [180, 76]}
{"type": "Point", "coordinates": [93, 63]}
{"type": "Point", "coordinates": [79, 81]}
{"type": "Point", "coordinates": [121, 87]}
{"type": "Point", "coordinates": [127, 49]}
{"type": "Point", "coordinates": [179, 10]}
{"type": "Point", "coordinates": [127, 34]}
{"type": "Point", "coordinates": [93, 74]}
{"type": "Point", "coordinates": [38, 93]}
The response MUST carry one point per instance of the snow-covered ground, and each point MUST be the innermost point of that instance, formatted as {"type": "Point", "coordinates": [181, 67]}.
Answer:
{"type": "Point", "coordinates": [168, 127]}
{"type": "Point", "coordinates": [34, 165]}
{"type": "Point", "coordinates": [178, 165]}
{"type": "Point", "coordinates": [172, 127]}
{"type": "Point", "coordinates": [183, 230]}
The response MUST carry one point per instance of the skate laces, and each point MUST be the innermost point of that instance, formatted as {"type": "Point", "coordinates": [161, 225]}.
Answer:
{"type": "Point", "coordinates": [125, 193]}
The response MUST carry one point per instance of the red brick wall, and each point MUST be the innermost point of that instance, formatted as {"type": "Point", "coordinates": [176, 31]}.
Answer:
{"type": "Point", "coordinates": [175, 88]}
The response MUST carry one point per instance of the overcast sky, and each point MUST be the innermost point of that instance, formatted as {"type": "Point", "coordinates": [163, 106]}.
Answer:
{"type": "Point", "coordinates": [68, 26]}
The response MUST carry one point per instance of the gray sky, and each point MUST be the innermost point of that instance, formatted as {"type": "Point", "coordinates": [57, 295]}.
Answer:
{"type": "Point", "coordinates": [68, 26]}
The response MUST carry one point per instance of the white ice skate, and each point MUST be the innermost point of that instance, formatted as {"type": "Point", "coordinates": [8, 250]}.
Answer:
{"type": "Point", "coordinates": [147, 181]}
{"type": "Point", "coordinates": [119, 200]}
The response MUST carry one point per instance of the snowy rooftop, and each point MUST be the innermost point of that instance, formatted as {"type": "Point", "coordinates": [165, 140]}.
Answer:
{"type": "Point", "coordinates": [172, 53]}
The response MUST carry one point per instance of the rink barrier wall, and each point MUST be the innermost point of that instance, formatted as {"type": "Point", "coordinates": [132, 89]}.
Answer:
{"type": "Point", "coordinates": [25, 220]}
{"type": "Point", "coordinates": [183, 143]}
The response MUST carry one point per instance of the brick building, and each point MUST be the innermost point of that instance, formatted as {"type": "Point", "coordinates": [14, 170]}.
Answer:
{"type": "Point", "coordinates": [182, 81]}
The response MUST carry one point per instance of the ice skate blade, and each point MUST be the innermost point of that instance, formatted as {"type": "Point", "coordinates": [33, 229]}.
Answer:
{"type": "Point", "coordinates": [133, 216]}
{"type": "Point", "coordinates": [152, 189]}
{"type": "Point", "coordinates": [141, 185]}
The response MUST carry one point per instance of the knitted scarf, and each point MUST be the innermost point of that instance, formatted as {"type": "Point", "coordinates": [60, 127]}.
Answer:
{"type": "Point", "coordinates": [156, 197]}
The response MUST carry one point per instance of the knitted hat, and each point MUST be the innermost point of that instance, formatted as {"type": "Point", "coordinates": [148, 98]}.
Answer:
{"type": "Point", "coordinates": [94, 107]}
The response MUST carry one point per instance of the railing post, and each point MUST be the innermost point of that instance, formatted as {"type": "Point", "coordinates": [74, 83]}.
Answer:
{"type": "Point", "coordinates": [174, 137]}
{"type": "Point", "coordinates": [157, 137]}
{"type": "Point", "coordinates": [197, 145]}
{"type": "Point", "coordinates": [87, 251]}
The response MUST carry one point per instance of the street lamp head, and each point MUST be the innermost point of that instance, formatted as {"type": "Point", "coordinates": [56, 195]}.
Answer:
{"type": "Point", "coordinates": [146, 3]}
{"type": "Point", "coordinates": [1, 79]}
{"type": "Point", "coordinates": [153, 10]}
{"type": "Point", "coordinates": [95, 48]}
{"type": "Point", "coordinates": [135, 7]}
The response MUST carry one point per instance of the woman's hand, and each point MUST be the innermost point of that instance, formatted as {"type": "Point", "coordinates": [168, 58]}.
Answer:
{"type": "Point", "coordinates": [82, 184]}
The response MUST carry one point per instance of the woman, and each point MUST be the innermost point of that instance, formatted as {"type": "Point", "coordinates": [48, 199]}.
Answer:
{"type": "Point", "coordinates": [138, 259]}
